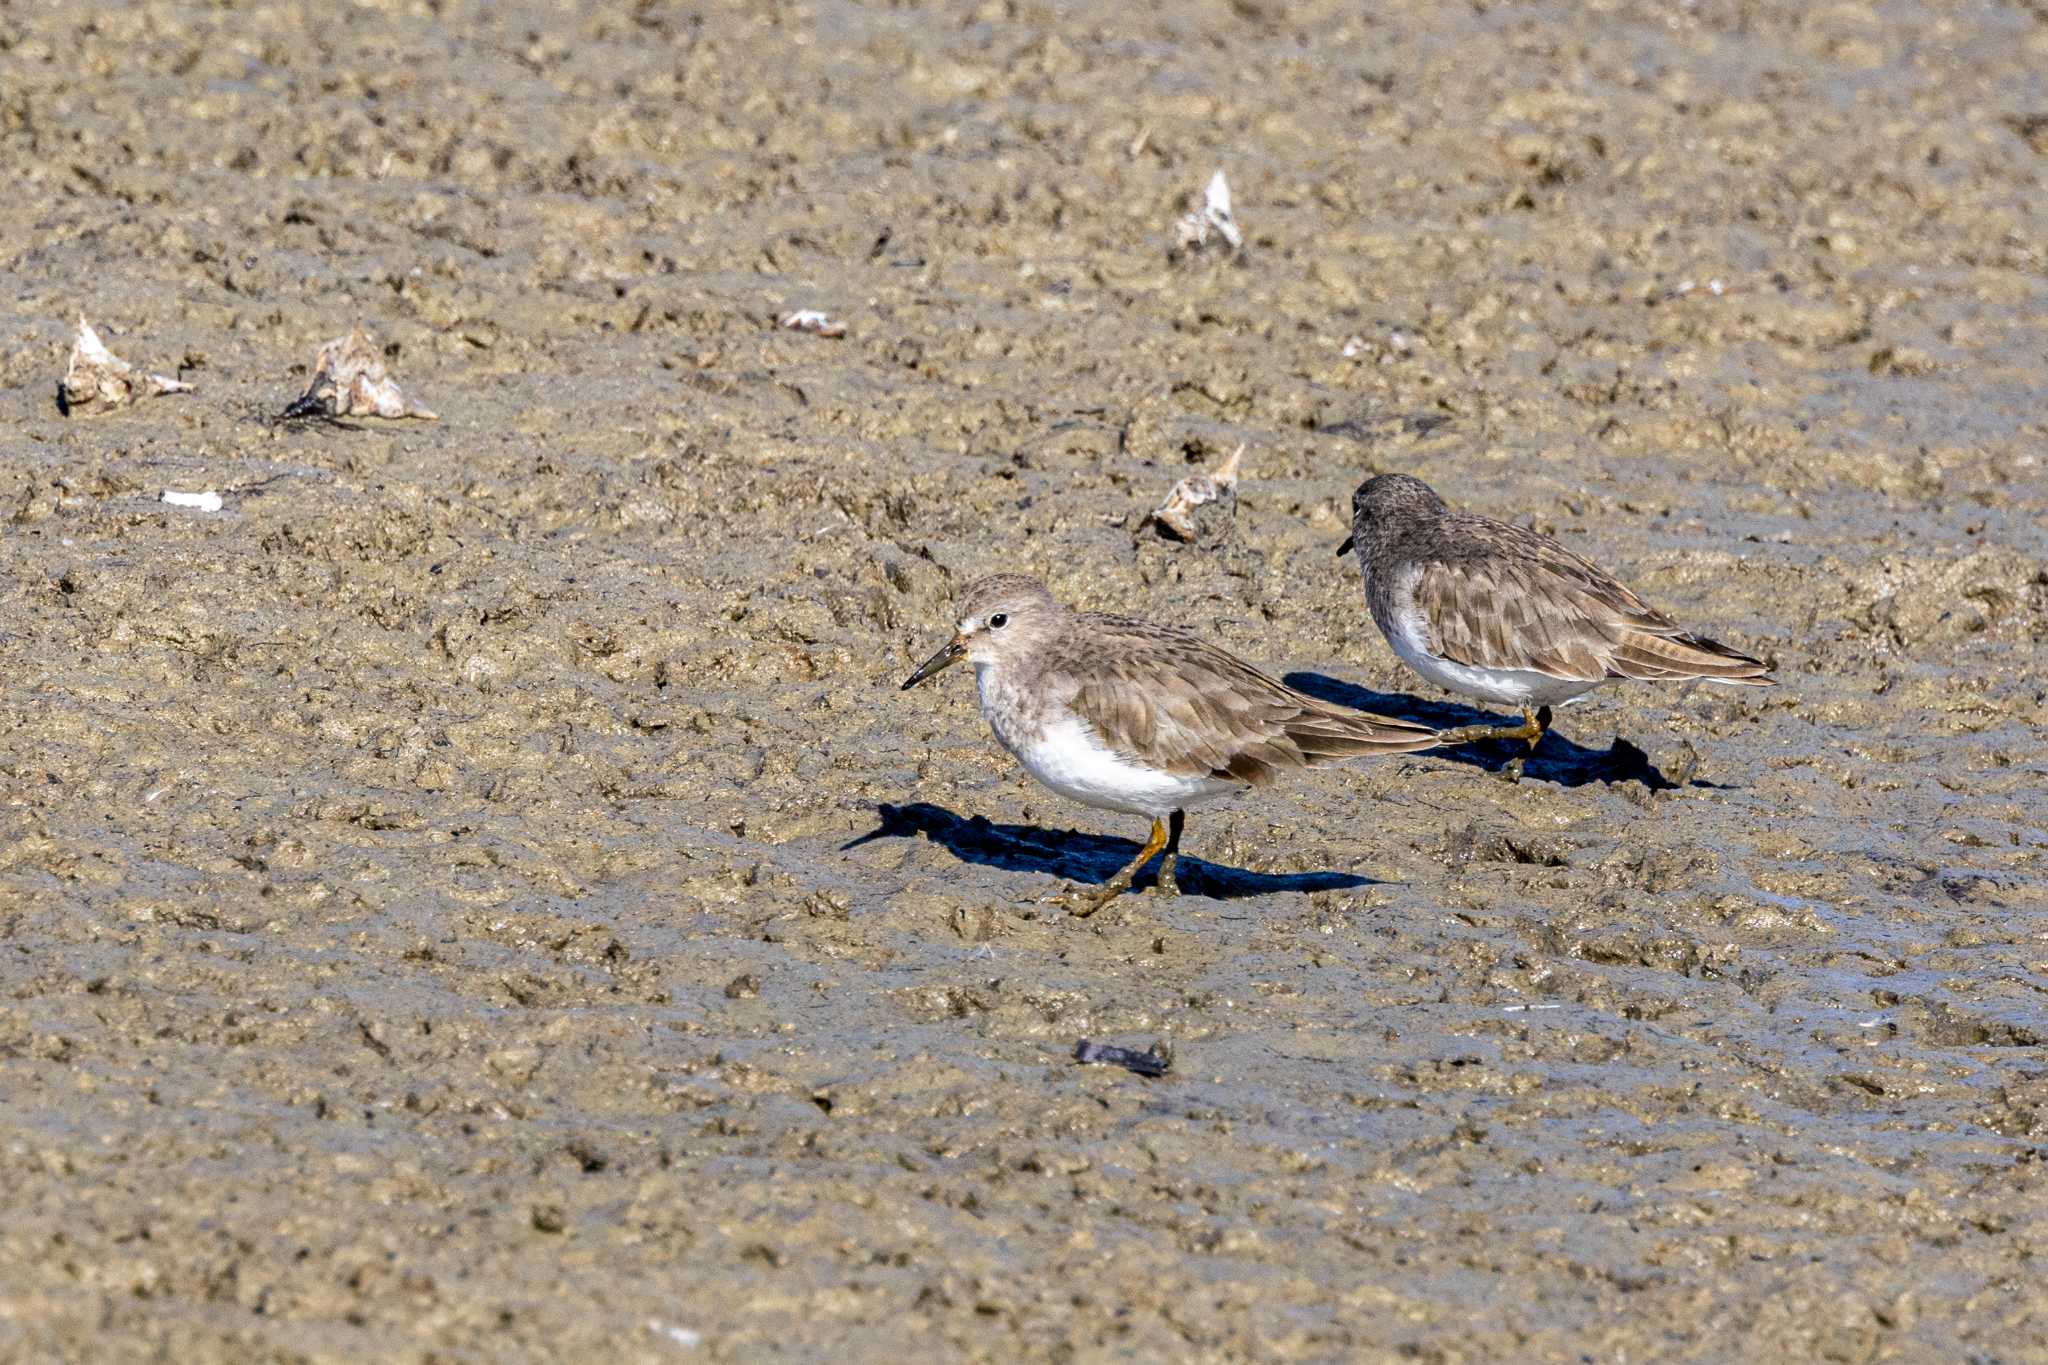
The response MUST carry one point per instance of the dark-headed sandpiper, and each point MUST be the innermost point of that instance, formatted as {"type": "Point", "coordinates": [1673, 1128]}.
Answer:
{"type": "Point", "coordinates": [1509, 617]}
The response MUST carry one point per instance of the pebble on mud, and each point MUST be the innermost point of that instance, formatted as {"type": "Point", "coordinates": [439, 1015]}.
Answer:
{"type": "Point", "coordinates": [349, 380]}
{"type": "Point", "coordinates": [515, 1064]}
{"type": "Point", "coordinates": [1214, 215]}
{"type": "Point", "coordinates": [1201, 507]}
{"type": "Point", "coordinates": [97, 375]}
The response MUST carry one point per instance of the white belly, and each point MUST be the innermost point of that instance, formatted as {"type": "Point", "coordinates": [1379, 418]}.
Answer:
{"type": "Point", "coordinates": [1515, 687]}
{"type": "Point", "coordinates": [1068, 757]}
{"type": "Point", "coordinates": [1063, 751]}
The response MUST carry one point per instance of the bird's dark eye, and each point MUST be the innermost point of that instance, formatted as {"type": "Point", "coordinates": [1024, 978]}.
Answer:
{"type": "Point", "coordinates": [999, 620]}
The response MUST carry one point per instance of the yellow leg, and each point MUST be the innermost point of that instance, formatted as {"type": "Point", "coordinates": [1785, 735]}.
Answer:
{"type": "Point", "coordinates": [1167, 886]}
{"type": "Point", "coordinates": [1529, 729]}
{"type": "Point", "coordinates": [1534, 724]}
{"type": "Point", "coordinates": [1121, 882]}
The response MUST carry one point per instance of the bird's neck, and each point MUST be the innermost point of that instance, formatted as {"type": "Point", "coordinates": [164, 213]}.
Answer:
{"type": "Point", "coordinates": [1008, 706]}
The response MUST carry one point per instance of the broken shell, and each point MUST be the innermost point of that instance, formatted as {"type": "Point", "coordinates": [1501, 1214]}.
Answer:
{"type": "Point", "coordinates": [349, 380]}
{"type": "Point", "coordinates": [208, 501]}
{"type": "Point", "coordinates": [1183, 516]}
{"type": "Point", "coordinates": [812, 321]}
{"type": "Point", "coordinates": [97, 375]}
{"type": "Point", "coordinates": [1214, 216]}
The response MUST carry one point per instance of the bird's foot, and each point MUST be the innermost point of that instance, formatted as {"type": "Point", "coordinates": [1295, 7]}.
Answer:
{"type": "Point", "coordinates": [1685, 767]}
{"type": "Point", "coordinates": [1083, 901]}
{"type": "Point", "coordinates": [1479, 734]}
{"type": "Point", "coordinates": [1167, 885]}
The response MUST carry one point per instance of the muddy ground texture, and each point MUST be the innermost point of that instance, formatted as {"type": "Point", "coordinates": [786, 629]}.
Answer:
{"type": "Point", "coordinates": [480, 895]}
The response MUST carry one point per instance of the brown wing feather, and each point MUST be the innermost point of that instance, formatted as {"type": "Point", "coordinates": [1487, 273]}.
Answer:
{"type": "Point", "coordinates": [1532, 604]}
{"type": "Point", "coordinates": [1172, 700]}
{"type": "Point", "coordinates": [1654, 658]}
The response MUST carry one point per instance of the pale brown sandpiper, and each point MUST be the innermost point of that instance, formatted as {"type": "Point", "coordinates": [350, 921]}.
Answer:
{"type": "Point", "coordinates": [1509, 617]}
{"type": "Point", "coordinates": [1134, 716]}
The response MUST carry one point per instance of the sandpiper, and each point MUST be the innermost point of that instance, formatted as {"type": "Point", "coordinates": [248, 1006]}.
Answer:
{"type": "Point", "coordinates": [1134, 716]}
{"type": "Point", "coordinates": [1509, 617]}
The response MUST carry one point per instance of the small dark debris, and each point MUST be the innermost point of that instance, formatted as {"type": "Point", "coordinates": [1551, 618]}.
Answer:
{"type": "Point", "coordinates": [306, 411]}
{"type": "Point", "coordinates": [2032, 129]}
{"type": "Point", "coordinates": [1153, 1061]}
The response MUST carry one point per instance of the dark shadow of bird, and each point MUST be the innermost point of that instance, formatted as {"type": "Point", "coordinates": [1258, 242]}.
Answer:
{"type": "Point", "coordinates": [1087, 858]}
{"type": "Point", "coordinates": [1556, 759]}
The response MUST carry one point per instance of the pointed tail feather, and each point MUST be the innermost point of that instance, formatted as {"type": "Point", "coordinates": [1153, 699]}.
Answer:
{"type": "Point", "coordinates": [1647, 657]}
{"type": "Point", "coordinates": [1325, 735]}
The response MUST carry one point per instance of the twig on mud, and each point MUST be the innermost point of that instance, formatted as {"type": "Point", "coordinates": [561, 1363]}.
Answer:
{"type": "Point", "coordinates": [294, 418]}
{"type": "Point", "coordinates": [243, 490]}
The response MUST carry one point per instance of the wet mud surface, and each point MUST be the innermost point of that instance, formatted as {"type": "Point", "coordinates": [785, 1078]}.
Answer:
{"type": "Point", "coordinates": [480, 896]}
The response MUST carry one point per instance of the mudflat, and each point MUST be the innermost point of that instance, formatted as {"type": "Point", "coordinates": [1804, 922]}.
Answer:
{"type": "Point", "coordinates": [479, 895]}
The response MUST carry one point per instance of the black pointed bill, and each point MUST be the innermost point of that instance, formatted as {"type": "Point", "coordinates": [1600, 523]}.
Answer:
{"type": "Point", "coordinates": [1345, 548]}
{"type": "Point", "coordinates": [938, 663]}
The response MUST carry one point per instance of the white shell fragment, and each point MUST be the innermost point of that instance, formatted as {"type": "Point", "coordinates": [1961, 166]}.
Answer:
{"type": "Point", "coordinates": [349, 380]}
{"type": "Point", "coordinates": [1214, 216]}
{"type": "Point", "coordinates": [1182, 515]}
{"type": "Point", "coordinates": [1398, 343]}
{"type": "Point", "coordinates": [209, 501]}
{"type": "Point", "coordinates": [97, 375]}
{"type": "Point", "coordinates": [686, 1337]}
{"type": "Point", "coordinates": [812, 321]}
